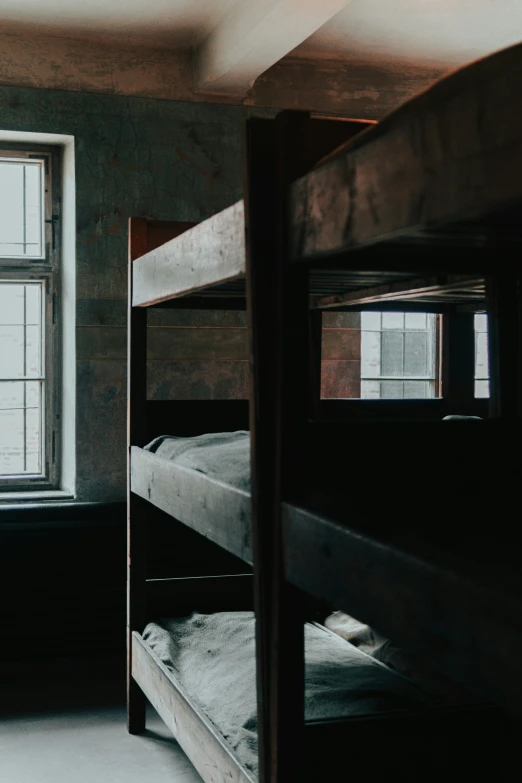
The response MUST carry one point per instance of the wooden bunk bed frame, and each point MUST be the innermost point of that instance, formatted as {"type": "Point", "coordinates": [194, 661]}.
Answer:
{"type": "Point", "coordinates": [323, 233]}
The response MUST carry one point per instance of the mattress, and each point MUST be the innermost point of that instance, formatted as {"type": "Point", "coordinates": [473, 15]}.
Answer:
{"type": "Point", "coordinates": [224, 456]}
{"type": "Point", "coordinates": [212, 657]}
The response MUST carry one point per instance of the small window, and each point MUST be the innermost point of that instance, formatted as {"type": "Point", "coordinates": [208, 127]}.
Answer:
{"type": "Point", "coordinates": [398, 355]}
{"type": "Point", "coordinates": [29, 344]}
{"type": "Point", "coordinates": [22, 195]}
{"type": "Point", "coordinates": [481, 356]}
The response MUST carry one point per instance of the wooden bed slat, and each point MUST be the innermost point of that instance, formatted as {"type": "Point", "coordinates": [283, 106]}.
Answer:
{"type": "Point", "coordinates": [456, 288]}
{"type": "Point", "coordinates": [466, 621]}
{"type": "Point", "coordinates": [448, 157]}
{"type": "Point", "coordinates": [211, 253]}
{"type": "Point", "coordinates": [217, 511]}
{"type": "Point", "coordinates": [207, 750]}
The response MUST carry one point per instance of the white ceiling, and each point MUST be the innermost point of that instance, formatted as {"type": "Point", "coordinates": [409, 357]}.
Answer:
{"type": "Point", "coordinates": [177, 23]}
{"type": "Point", "coordinates": [449, 32]}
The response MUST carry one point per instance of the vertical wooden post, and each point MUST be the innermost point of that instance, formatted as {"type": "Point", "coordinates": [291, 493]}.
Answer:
{"type": "Point", "coordinates": [316, 349]}
{"type": "Point", "coordinates": [504, 343]}
{"type": "Point", "coordinates": [458, 361]}
{"type": "Point", "coordinates": [279, 341]}
{"type": "Point", "coordinates": [136, 515]}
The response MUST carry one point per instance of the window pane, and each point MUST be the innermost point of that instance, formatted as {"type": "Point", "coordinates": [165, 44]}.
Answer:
{"type": "Point", "coordinates": [32, 351]}
{"type": "Point", "coordinates": [32, 433]}
{"type": "Point", "coordinates": [419, 390]}
{"type": "Point", "coordinates": [371, 322]}
{"type": "Point", "coordinates": [12, 351]}
{"type": "Point", "coordinates": [11, 442]}
{"type": "Point", "coordinates": [416, 353]}
{"type": "Point", "coordinates": [20, 428]}
{"type": "Point", "coordinates": [21, 209]}
{"type": "Point", "coordinates": [20, 343]}
{"type": "Point", "coordinates": [481, 322]}
{"type": "Point", "coordinates": [11, 303]}
{"type": "Point", "coordinates": [33, 224]}
{"type": "Point", "coordinates": [393, 320]}
{"type": "Point", "coordinates": [33, 390]}
{"type": "Point", "coordinates": [370, 354]}
{"type": "Point", "coordinates": [33, 304]}
{"type": "Point", "coordinates": [21, 401]}
{"type": "Point", "coordinates": [11, 395]}
{"type": "Point", "coordinates": [481, 355]}
{"type": "Point", "coordinates": [12, 205]}
{"type": "Point", "coordinates": [370, 390]}
{"type": "Point", "coordinates": [392, 390]}
{"type": "Point", "coordinates": [481, 388]}
{"type": "Point", "coordinates": [392, 352]}
{"type": "Point", "coordinates": [415, 321]}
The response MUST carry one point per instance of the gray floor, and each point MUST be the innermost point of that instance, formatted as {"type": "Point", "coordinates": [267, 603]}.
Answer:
{"type": "Point", "coordinates": [65, 723]}
{"type": "Point", "coordinates": [89, 746]}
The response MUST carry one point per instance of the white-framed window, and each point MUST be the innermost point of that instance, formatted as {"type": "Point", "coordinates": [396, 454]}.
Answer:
{"type": "Point", "coordinates": [30, 370]}
{"type": "Point", "coordinates": [481, 355]}
{"type": "Point", "coordinates": [398, 355]}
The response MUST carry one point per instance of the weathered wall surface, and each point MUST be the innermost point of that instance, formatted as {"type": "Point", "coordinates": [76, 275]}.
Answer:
{"type": "Point", "coordinates": [341, 353]}
{"type": "Point", "coordinates": [159, 159]}
{"type": "Point", "coordinates": [353, 88]}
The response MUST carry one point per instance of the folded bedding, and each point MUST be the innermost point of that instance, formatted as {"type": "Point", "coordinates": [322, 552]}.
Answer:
{"type": "Point", "coordinates": [212, 658]}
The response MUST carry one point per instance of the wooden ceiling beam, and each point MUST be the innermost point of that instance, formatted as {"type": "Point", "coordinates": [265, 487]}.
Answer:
{"type": "Point", "coordinates": [253, 36]}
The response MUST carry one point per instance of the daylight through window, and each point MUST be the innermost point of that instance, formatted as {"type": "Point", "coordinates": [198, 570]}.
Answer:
{"type": "Point", "coordinates": [398, 355]}
{"type": "Point", "coordinates": [29, 282]}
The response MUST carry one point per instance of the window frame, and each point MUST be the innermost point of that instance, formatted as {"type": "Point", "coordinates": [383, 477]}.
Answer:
{"type": "Point", "coordinates": [48, 271]}
{"type": "Point", "coordinates": [433, 354]}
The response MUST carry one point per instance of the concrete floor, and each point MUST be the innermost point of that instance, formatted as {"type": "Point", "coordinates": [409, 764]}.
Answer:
{"type": "Point", "coordinates": [57, 733]}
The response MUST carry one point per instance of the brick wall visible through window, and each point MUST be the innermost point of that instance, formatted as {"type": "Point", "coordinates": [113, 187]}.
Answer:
{"type": "Point", "coordinates": [29, 290]}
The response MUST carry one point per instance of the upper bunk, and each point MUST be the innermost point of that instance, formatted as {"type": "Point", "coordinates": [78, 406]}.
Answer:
{"type": "Point", "coordinates": [375, 219]}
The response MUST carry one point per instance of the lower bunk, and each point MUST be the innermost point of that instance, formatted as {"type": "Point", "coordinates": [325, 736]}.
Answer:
{"type": "Point", "coordinates": [362, 718]}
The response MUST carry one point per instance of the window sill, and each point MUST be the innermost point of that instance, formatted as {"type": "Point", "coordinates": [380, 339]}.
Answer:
{"type": "Point", "coordinates": [61, 511]}
{"type": "Point", "coordinates": [35, 496]}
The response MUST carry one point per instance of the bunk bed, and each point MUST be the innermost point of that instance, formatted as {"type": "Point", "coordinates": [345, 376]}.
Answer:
{"type": "Point", "coordinates": [420, 212]}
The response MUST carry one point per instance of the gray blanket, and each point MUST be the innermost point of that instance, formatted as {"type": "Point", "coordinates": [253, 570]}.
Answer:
{"type": "Point", "coordinates": [213, 659]}
{"type": "Point", "coordinates": [224, 456]}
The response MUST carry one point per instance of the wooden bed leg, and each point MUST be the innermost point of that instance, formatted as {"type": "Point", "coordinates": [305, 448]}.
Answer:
{"type": "Point", "coordinates": [136, 507]}
{"type": "Point", "coordinates": [316, 344]}
{"type": "Point", "coordinates": [136, 586]}
{"type": "Point", "coordinates": [280, 337]}
{"type": "Point", "coordinates": [504, 348]}
{"type": "Point", "coordinates": [458, 360]}
{"type": "Point", "coordinates": [136, 700]}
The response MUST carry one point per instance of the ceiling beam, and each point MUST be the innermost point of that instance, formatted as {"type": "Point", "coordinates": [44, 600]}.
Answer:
{"type": "Point", "coordinates": [254, 35]}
